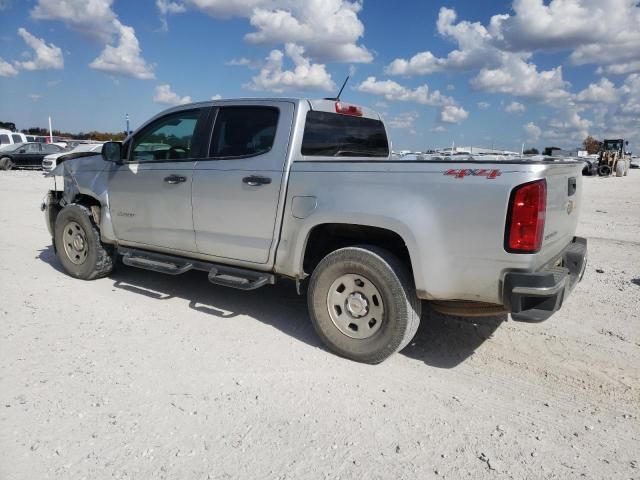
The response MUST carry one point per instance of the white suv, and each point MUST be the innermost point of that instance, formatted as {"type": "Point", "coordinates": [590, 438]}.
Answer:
{"type": "Point", "coordinates": [7, 137]}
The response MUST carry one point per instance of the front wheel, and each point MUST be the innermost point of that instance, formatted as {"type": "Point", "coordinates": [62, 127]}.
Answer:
{"type": "Point", "coordinates": [78, 244]}
{"type": "Point", "coordinates": [6, 163]}
{"type": "Point", "coordinates": [363, 304]}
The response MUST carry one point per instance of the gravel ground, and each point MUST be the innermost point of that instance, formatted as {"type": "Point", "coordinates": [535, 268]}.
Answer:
{"type": "Point", "coordinates": [141, 375]}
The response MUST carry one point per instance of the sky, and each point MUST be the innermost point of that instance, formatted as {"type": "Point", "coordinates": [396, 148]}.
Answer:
{"type": "Point", "coordinates": [490, 73]}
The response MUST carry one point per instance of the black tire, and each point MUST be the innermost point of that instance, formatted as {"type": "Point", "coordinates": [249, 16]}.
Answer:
{"type": "Point", "coordinates": [6, 163]}
{"type": "Point", "coordinates": [98, 259]}
{"type": "Point", "coordinates": [402, 308]}
{"type": "Point", "coordinates": [604, 170]}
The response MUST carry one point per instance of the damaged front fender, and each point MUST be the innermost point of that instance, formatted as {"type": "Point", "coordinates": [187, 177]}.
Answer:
{"type": "Point", "coordinates": [82, 180]}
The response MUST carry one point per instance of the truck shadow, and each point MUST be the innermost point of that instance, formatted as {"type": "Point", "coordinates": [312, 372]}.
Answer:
{"type": "Point", "coordinates": [442, 341]}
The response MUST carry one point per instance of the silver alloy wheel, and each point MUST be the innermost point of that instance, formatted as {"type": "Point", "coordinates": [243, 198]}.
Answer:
{"type": "Point", "coordinates": [75, 243]}
{"type": "Point", "coordinates": [355, 306]}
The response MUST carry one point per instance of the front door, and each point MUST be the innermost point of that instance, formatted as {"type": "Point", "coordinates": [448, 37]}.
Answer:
{"type": "Point", "coordinates": [237, 186]}
{"type": "Point", "coordinates": [150, 193]}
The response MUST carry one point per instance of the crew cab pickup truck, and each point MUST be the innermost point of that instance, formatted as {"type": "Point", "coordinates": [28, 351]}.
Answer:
{"type": "Point", "coordinates": [250, 191]}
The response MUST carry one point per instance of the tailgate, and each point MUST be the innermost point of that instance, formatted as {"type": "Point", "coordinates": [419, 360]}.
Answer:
{"type": "Point", "coordinates": [564, 194]}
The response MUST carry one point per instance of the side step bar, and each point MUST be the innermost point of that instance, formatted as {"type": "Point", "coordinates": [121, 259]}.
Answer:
{"type": "Point", "coordinates": [234, 277]}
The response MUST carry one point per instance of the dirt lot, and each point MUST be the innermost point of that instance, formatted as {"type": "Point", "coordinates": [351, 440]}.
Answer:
{"type": "Point", "coordinates": [141, 375]}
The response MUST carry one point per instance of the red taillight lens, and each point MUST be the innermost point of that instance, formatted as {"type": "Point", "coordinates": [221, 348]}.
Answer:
{"type": "Point", "coordinates": [345, 109]}
{"type": "Point", "coordinates": [525, 223]}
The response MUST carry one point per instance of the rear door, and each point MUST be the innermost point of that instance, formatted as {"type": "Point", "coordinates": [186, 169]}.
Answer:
{"type": "Point", "coordinates": [237, 186]}
{"type": "Point", "coordinates": [150, 193]}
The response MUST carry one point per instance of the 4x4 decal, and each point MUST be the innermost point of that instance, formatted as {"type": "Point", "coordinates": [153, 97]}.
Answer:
{"type": "Point", "coordinates": [473, 172]}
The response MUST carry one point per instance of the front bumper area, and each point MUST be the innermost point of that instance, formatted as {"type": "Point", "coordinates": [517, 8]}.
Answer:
{"type": "Point", "coordinates": [535, 296]}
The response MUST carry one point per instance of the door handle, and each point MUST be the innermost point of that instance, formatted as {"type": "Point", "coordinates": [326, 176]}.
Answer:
{"type": "Point", "coordinates": [255, 180]}
{"type": "Point", "coordinates": [173, 179]}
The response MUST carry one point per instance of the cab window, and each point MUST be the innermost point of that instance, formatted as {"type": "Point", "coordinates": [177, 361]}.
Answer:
{"type": "Point", "coordinates": [16, 138]}
{"type": "Point", "coordinates": [168, 138]}
{"type": "Point", "coordinates": [241, 132]}
{"type": "Point", "coordinates": [4, 139]}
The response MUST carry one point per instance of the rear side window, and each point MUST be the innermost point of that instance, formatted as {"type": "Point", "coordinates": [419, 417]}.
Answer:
{"type": "Point", "coordinates": [4, 139]}
{"type": "Point", "coordinates": [16, 138]}
{"type": "Point", "coordinates": [242, 132]}
{"type": "Point", "coordinates": [334, 135]}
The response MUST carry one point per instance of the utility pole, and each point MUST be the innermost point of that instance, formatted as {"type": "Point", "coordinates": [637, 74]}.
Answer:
{"type": "Point", "coordinates": [127, 124]}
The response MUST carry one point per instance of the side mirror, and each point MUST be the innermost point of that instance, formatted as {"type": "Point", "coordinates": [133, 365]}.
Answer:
{"type": "Point", "coordinates": [22, 150]}
{"type": "Point", "coordinates": [626, 142]}
{"type": "Point", "coordinates": [112, 152]}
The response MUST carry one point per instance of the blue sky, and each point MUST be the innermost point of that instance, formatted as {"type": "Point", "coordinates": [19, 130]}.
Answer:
{"type": "Point", "coordinates": [482, 73]}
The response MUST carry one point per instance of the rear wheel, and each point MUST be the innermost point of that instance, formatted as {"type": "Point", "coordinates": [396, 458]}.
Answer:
{"type": "Point", "coordinates": [6, 163]}
{"type": "Point", "coordinates": [78, 244]}
{"type": "Point", "coordinates": [363, 304]}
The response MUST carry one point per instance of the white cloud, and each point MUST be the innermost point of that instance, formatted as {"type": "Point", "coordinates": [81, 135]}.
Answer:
{"type": "Point", "coordinates": [474, 49]}
{"type": "Point", "coordinates": [329, 30]}
{"type": "Point", "coordinates": [404, 120]}
{"type": "Point", "coordinates": [453, 114]}
{"type": "Point", "coordinates": [602, 32]}
{"type": "Point", "coordinates": [6, 69]}
{"type": "Point", "coordinates": [97, 20]}
{"type": "Point", "coordinates": [244, 62]}
{"type": "Point", "coordinates": [391, 90]}
{"type": "Point", "coordinates": [602, 92]}
{"type": "Point", "coordinates": [620, 68]}
{"type": "Point", "coordinates": [34, 97]}
{"type": "Point", "coordinates": [532, 131]}
{"type": "Point", "coordinates": [568, 126]}
{"type": "Point", "coordinates": [515, 107]}
{"type": "Point", "coordinates": [124, 58]}
{"type": "Point", "coordinates": [439, 129]}
{"type": "Point", "coordinates": [217, 96]}
{"type": "Point", "coordinates": [92, 18]}
{"type": "Point", "coordinates": [167, 6]}
{"type": "Point", "coordinates": [46, 56]}
{"type": "Point", "coordinates": [305, 75]}
{"type": "Point", "coordinates": [483, 105]}
{"type": "Point", "coordinates": [522, 79]}
{"type": "Point", "coordinates": [164, 95]}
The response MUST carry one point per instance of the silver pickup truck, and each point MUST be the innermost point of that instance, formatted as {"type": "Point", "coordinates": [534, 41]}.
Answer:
{"type": "Point", "coordinates": [253, 190]}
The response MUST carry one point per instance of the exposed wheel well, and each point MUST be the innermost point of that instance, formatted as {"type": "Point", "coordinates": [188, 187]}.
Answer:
{"type": "Point", "coordinates": [324, 239]}
{"type": "Point", "coordinates": [86, 200]}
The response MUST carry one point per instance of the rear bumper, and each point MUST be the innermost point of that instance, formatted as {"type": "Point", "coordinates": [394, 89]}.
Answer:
{"type": "Point", "coordinates": [535, 296]}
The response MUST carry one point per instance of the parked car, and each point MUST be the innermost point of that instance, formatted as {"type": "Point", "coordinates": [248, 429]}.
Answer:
{"type": "Point", "coordinates": [7, 137]}
{"type": "Point", "coordinates": [82, 150]}
{"type": "Point", "coordinates": [255, 190]}
{"type": "Point", "coordinates": [26, 155]}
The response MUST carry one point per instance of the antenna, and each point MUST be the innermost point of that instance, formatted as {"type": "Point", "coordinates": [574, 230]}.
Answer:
{"type": "Point", "coordinates": [337, 97]}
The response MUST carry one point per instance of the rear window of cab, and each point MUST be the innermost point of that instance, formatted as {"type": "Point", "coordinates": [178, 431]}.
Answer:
{"type": "Point", "coordinates": [335, 135]}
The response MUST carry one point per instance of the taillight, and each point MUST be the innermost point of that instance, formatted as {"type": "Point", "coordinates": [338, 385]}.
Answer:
{"type": "Point", "coordinates": [525, 222]}
{"type": "Point", "coordinates": [346, 109]}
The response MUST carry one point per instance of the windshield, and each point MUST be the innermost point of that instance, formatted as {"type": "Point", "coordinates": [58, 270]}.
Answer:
{"type": "Point", "coordinates": [612, 145]}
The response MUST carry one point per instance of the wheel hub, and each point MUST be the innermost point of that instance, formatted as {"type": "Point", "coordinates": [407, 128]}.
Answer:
{"type": "Point", "coordinates": [355, 306]}
{"type": "Point", "coordinates": [75, 244]}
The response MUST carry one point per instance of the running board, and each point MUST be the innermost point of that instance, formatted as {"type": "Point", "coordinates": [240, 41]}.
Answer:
{"type": "Point", "coordinates": [234, 277]}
